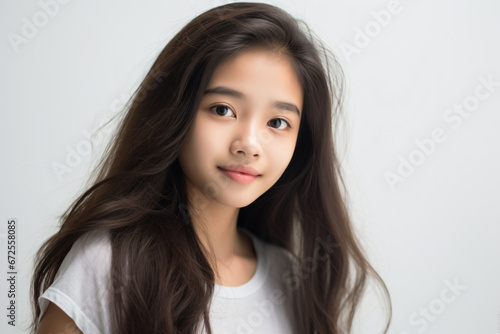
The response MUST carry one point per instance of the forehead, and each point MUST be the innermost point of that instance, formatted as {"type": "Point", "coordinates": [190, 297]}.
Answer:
{"type": "Point", "coordinates": [258, 72]}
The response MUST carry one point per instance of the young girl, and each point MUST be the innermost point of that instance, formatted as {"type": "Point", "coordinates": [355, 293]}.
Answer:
{"type": "Point", "coordinates": [218, 206]}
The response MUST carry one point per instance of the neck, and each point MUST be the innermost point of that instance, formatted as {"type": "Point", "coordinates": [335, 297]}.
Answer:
{"type": "Point", "coordinates": [215, 225]}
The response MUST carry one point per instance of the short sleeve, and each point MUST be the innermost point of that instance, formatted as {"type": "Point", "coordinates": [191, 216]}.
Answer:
{"type": "Point", "coordinates": [82, 285]}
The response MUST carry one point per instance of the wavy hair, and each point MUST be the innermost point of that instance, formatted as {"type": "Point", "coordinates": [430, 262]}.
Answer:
{"type": "Point", "coordinates": [137, 191]}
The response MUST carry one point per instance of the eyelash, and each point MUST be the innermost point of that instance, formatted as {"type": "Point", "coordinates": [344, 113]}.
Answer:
{"type": "Point", "coordinates": [212, 108]}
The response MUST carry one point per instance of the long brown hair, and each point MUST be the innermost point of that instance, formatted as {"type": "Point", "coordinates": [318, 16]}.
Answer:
{"type": "Point", "coordinates": [137, 191]}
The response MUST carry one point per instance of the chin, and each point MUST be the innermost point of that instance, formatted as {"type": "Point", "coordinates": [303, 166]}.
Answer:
{"type": "Point", "coordinates": [237, 202]}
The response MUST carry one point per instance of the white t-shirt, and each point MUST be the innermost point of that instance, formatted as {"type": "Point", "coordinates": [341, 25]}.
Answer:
{"type": "Point", "coordinates": [262, 305]}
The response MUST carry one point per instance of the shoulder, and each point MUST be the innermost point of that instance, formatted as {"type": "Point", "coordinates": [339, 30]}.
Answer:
{"type": "Point", "coordinates": [282, 281]}
{"type": "Point", "coordinates": [90, 255]}
{"type": "Point", "coordinates": [279, 261]}
{"type": "Point", "coordinates": [92, 245]}
{"type": "Point", "coordinates": [82, 285]}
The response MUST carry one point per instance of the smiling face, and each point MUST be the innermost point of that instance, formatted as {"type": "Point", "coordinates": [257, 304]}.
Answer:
{"type": "Point", "coordinates": [249, 116]}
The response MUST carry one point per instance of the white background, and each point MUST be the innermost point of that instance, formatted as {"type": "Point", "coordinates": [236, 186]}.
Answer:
{"type": "Point", "coordinates": [437, 224]}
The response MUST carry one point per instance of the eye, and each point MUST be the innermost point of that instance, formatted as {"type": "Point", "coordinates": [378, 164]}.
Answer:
{"type": "Point", "coordinates": [219, 109]}
{"type": "Point", "coordinates": [282, 121]}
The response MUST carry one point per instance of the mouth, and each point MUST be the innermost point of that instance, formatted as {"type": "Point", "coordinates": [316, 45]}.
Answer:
{"type": "Point", "coordinates": [239, 176]}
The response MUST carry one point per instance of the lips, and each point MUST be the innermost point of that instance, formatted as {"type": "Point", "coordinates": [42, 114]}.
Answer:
{"type": "Point", "coordinates": [240, 177]}
{"type": "Point", "coordinates": [241, 169]}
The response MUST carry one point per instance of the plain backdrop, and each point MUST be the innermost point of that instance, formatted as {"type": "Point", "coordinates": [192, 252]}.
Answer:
{"type": "Point", "coordinates": [420, 146]}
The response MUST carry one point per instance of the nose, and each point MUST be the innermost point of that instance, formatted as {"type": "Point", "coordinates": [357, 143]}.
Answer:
{"type": "Point", "coordinates": [246, 142]}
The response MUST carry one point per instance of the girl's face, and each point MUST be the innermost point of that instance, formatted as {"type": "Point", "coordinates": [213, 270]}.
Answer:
{"type": "Point", "coordinates": [249, 116]}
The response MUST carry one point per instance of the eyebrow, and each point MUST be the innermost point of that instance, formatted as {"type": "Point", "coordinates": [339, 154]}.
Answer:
{"type": "Point", "coordinates": [220, 90]}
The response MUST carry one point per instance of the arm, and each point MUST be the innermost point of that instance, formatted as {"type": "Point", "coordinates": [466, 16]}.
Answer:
{"type": "Point", "coordinates": [55, 321]}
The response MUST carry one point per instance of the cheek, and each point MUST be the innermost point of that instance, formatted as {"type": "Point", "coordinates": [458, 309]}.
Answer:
{"type": "Point", "coordinates": [205, 141]}
{"type": "Point", "coordinates": [280, 157]}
